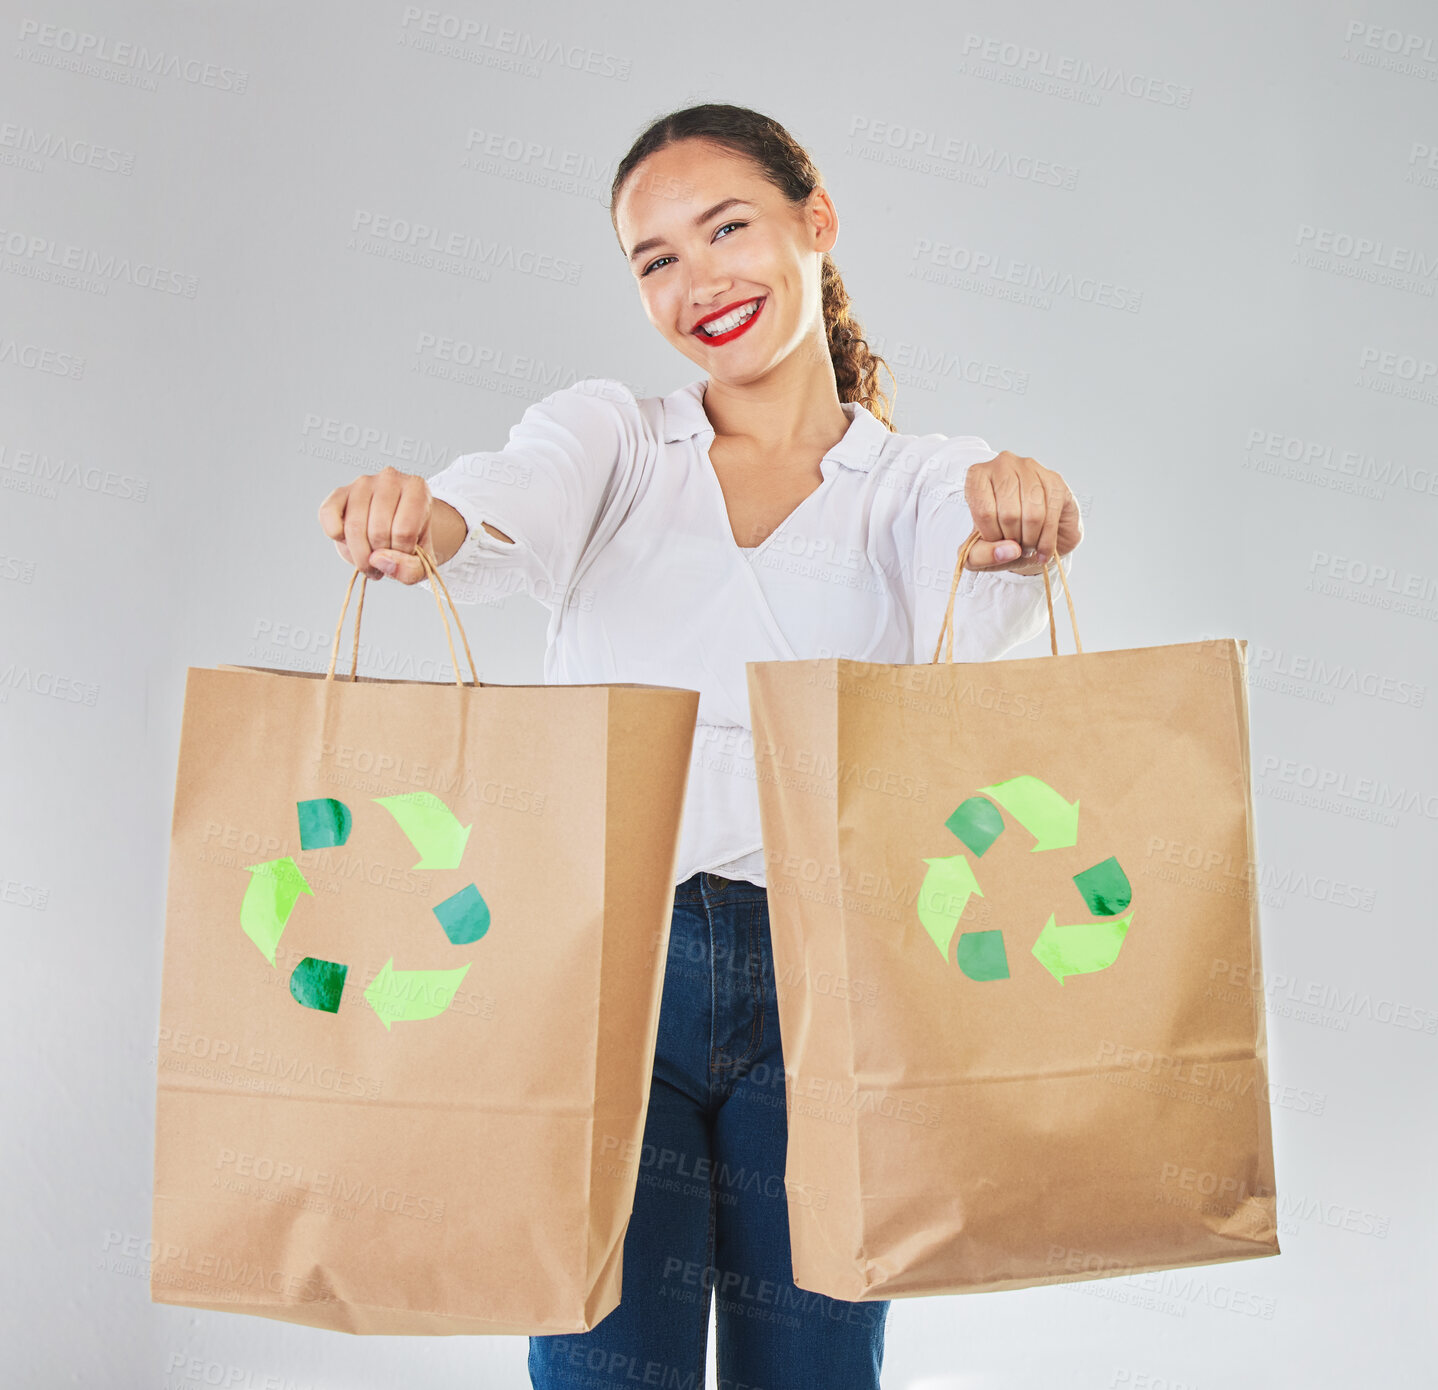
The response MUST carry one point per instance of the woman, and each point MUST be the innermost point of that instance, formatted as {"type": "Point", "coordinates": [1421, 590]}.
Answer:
{"type": "Point", "coordinates": [765, 512]}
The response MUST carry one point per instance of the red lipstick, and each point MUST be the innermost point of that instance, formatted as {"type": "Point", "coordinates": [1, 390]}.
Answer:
{"type": "Point", "coordinates": [758, 301]}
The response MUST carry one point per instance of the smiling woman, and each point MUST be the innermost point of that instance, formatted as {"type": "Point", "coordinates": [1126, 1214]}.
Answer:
{"type": "Point", "coordinates": [774, 219]}
{"type": "Point", "coordinates": [767, 510]}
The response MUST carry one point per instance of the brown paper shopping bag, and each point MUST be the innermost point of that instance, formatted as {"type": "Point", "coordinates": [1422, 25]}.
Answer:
{"type": "Point", "coordinates": [414, 952]}
{"type": "Point", "coordinates": [1015, 929]}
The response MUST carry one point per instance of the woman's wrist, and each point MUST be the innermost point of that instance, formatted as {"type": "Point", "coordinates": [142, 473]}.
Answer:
{"type": "Point", "coordinates": [447, 531]}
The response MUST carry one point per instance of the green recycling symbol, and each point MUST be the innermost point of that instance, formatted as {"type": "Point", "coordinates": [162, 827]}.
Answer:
{"type": "Point", "coordinates": [395, 996]}
{"type": "Point", "coordinates": [1072, 948]}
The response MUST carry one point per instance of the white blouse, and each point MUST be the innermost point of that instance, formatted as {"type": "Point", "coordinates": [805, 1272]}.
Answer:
{"type": "Point", "coordinates": [620, 529]}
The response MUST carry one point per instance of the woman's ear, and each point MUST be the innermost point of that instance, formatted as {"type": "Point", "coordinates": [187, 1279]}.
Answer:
{"type": "Point", "coordinates": [824, 217]}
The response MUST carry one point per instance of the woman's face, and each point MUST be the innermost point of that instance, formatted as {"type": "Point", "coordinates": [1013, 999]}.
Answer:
{"type": "Point", "coordinates": [694, 259]}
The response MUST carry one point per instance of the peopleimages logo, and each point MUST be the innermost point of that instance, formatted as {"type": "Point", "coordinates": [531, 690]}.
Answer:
{"type": "Point", "coordinates": [1392, 50]}
{"type": "Point", "coordinates": [473, 40]}
{"type": "Point", "coordinates": [403, 239]}
{"type": "Point", "coordinates": [43, 258]}
{"type": "Point", "coordinates": [33, 147]}
{"type": "Point", "coordinates": [1003, 277]}
{"type": "Point", "coordinates": [1365, 258]}
{"type": "Point", "coordinates": [56, 45]}
{"type": "Point", "coordinates": [1022, 65]}
{"type": "Point", "coordinates": [951, 155]}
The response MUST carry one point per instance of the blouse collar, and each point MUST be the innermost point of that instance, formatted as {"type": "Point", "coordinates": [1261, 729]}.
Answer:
{"type": "Point", "coordinates": [859, 449]}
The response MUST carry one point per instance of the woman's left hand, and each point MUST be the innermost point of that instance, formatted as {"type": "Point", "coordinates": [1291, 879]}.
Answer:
{"type": "Point", "coordinates": [1016, 501]}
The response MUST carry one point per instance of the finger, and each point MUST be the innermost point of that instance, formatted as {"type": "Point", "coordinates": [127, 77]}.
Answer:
{"type": "Point", "coordinates": [357, 523]}
{"type": "Point", "coordinates": [1054, 489]}
{"type": "Point", "coordinates": [1008, 500]}
{"type": "Point", "coordinates": [983, 556]}
{"type": "Point", "coordinates": [408, 567]}
{"type": "Point", "coordinates": [1070, 519]}
{"type": "Point", "coordinates": [408, 528]}
{"type": "Point", "coordinates": [983, 505]}
{"type": "Point", "coordinates": [411, 514]}
{"type": "Point", "coordinates": [984, 511]}
{"type": "Point", "coordinates": [332, 513]}
{"type": "Point", "coordinates": [387, 486]}
{"type": "Point", "coordinates": [1033, 501]}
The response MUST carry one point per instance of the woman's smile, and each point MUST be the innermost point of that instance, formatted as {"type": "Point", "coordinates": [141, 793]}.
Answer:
{"type": "Point", "coordinates": [732, 322]}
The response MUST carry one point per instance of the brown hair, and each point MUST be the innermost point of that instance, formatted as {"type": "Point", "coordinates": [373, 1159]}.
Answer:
{"type": "Point", "coordinates": [785, 164]}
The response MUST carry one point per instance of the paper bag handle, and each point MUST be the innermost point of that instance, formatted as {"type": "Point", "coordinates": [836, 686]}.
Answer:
{"type": "Point", "coordinates": [946, 633]}
{"type": "Point", "coordinates": [436, 584]}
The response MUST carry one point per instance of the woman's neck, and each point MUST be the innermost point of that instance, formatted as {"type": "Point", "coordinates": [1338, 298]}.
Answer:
{"type": "Point", "coordinates": [793, 411]}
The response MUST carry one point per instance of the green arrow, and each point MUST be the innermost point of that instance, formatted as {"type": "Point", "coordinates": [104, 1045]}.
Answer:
{"type": "Point", "coordinates": [464, 915]}
{"type": "Point", "coordinates": [949, 881]}
{"type": "Point", "coordinates": [324, 822]}
{"type": "Point", "coordinates": [1080, 948]}
{"type": "Point", "coordinates": [398, 995]}
{"type": "Point", "coordinates": [1105, 888]}
{"type": "Point", "coordinates": [430, 826]}
{"type": "Point", "coordinates": [270, 897]}
{"type": "Point", "coordinates": [982, 955]}
{"type": "Point", "coordinates": [318, 984]}
{"type": "Point", "coordinates": [1052, 821]}
{"type": "Point", "coordinates": [977, 823]}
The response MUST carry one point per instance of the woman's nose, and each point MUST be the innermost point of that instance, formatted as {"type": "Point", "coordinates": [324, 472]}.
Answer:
{"type": "Point", "coordinates": [707, 286]}
{"type": "Point", "coordinates": [705, 303]}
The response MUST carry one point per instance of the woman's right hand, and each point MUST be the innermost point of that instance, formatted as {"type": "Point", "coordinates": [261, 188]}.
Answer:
{"type": "Point", "coordinates": [377, 521]}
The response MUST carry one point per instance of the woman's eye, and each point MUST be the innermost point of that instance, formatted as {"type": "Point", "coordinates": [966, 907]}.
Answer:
{"type": "Point", "coordinates": [662, 259]}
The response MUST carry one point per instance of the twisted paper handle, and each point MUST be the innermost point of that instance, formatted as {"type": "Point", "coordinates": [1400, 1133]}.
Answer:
{"type": "Point", "coordinates": [432, 571]}
{"type": "Point", "coordinates": [946, 633]}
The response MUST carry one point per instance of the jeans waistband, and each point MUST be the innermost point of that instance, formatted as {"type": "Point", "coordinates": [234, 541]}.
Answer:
{"type": "Point", "coordinates": [714, 889]}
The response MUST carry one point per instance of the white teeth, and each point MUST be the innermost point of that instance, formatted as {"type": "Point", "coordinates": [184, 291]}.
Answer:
{"type": "Point", "coordinates": [729, 321]}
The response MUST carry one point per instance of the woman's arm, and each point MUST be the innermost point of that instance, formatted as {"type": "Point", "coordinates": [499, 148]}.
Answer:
{"type": "Point", "coordinates": [548, 483]}
{"type": "Point", "coordinates": [447, 531]}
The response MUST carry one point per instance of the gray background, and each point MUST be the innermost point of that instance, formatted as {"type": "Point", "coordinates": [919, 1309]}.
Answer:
{"type": "Point", "coordinates": [1252, 443]}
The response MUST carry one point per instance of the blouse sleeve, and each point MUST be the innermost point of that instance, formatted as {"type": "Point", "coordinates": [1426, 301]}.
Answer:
{"type": "Point", "coordinates": [993, 613]}
{"type": "Point", "coordinates": [546, 489]}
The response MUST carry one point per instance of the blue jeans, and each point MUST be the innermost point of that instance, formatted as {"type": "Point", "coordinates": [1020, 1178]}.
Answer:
{"type": "Point", "coordinates": [709, 1205]}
